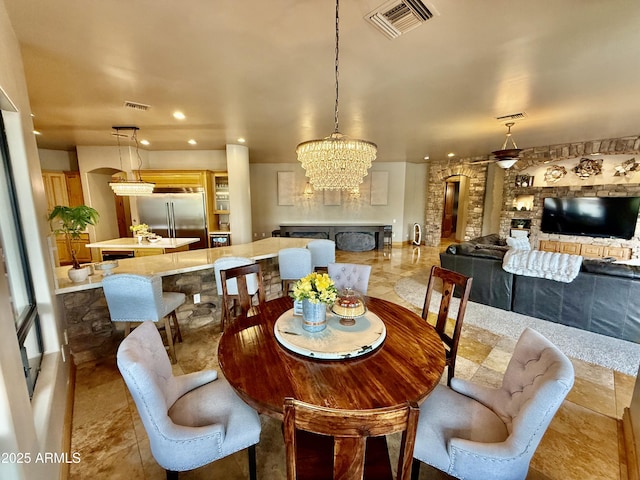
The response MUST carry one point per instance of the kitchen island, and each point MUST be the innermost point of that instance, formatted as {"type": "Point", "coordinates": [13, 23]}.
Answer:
{"type": "Point", "coordinates": [90, 331]}
{"type": "Point", "coordinates": [130, 247]}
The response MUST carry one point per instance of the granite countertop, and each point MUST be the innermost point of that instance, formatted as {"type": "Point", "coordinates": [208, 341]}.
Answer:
{"type": "Point", "coordinates": [129, 243]}
{"type": "Point", "coordinates": [180, 262]}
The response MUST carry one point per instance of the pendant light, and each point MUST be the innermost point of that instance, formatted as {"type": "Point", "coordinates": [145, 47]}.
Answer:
{"type": "Point", "coordinates": [336, 162]}
{"type": "Point", "coordinates": [507, 157]}
{"type": "Point", "coordinates": [130, 188]}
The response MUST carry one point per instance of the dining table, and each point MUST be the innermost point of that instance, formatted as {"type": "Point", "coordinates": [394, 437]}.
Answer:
{"type": "Point", "coordinates": [406, 366]}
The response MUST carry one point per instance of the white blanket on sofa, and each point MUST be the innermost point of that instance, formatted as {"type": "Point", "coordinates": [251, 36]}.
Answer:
{"type": "Point", "coordinates": [561, 267]}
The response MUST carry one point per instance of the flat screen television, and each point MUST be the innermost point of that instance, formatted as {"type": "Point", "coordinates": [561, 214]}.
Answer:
{"type": "Point", "coordinates": [591, 216]}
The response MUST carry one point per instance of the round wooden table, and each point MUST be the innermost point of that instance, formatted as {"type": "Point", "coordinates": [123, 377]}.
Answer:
{"type": "Point", "coordinates": [406, 367]}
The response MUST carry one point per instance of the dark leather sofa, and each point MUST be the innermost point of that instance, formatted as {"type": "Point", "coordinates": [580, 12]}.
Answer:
{"type": "Point", "coordinates": [604, 298]}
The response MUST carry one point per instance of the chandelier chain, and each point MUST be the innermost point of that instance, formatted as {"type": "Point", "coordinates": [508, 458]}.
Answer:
{"type": "Point", "coordinates": [335, 115]}
{"type": "Point", "coordinates": [336, 162]}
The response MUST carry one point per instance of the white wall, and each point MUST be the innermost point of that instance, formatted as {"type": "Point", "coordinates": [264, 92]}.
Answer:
{"type": "Point", "coordinates": [57, 160]}
{"type": "Point", "coordinates": [268, 215]}
{"type": "Point", "coordinates": [37, 426]}
{"type": "Point", "coordinates": [414, 200]}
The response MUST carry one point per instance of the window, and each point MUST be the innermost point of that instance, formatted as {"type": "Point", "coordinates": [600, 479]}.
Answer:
{"type": "Point", "coordinates": [16, 266]}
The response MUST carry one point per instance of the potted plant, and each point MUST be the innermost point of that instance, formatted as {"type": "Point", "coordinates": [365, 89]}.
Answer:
{"type": "Point", "coordinates": [315, 291]}
{"type": "Point", "coordinates": [72, 222]}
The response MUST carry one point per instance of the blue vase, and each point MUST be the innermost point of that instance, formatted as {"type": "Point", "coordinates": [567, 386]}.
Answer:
{"type": "Point", "coordinates": [314, 316]}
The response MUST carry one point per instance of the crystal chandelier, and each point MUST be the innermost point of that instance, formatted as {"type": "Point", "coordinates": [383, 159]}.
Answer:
{"type": "Point", "coordinates": [507, 157]}
{"type": "Point", "coordinates": [130, 188]}
{"type": "Point", "coordinates": [336, 162]}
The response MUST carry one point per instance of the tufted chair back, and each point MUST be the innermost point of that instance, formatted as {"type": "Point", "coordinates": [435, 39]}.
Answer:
{"type": "Point", "coordinates": [477, 432]}
{"type": "Point", "coordinates": [191, 420]}
{"type": "Point", "coordinates": [351, 275]}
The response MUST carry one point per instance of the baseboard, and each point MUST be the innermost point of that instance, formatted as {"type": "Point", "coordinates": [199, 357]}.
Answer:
{"type": "Point", "coordinates": [630, 446]}
{"type": "Point", "coordinates": [68, 421]}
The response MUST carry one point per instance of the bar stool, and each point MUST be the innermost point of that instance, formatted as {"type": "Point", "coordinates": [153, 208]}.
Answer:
{"type": "Point", "coordinates": [323, 252]}
{"type": "Point", "coordinates": [293, 264]}
{"type": "Point", "coordinates": [137, 298]}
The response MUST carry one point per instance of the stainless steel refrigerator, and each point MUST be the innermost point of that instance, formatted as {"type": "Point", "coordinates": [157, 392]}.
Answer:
{"type": "Point", "coordinates": [175, 213]}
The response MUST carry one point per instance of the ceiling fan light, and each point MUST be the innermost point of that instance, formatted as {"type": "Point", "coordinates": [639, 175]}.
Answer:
{"type": "Point", "coordinates": [506, 162]}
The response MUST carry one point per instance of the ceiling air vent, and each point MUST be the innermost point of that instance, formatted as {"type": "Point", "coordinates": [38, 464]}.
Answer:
{"type": "Point", "coordinates": [513, 116]}
{"type": "Point", "coordinates": [397, 17]}
{"type": "Point", "coordinates": [136, 106]}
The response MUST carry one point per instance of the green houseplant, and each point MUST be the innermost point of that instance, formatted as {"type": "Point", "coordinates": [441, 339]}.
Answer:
{"type": "Point", "coordinates": [72, 222]}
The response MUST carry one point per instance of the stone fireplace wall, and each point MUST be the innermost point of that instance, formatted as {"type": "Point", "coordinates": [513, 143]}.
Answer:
{"type": "Point", "coordinates": [531, 158]}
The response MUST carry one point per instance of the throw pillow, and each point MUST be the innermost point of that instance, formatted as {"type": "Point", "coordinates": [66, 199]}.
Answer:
{"type": "Point", "coordinates": [521, 243]}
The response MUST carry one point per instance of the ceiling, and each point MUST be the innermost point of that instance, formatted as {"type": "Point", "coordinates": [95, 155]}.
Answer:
{"type": "Point", "coordinates": [264, 71]}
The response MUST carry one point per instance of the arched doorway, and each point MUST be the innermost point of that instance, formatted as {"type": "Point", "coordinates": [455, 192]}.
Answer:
{"type": "Point", "coordinates": [450, 207]}
{"type": "Point", "coordinates": [455, 207]}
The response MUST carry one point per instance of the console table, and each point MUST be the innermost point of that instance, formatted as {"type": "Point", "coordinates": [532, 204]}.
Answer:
{"type": "Point", "coordinates": [333, 231]}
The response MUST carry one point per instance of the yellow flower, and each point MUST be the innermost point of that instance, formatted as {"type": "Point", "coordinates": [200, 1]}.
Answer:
{"type": "Point", "coordinates": [315, 287]}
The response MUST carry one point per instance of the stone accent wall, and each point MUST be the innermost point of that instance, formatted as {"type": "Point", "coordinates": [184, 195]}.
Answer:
{"type": "Point", "coordinates": [92, 335]}
{"type": "Point", "coordinates": [436, 177]}
{"type": "Point", "coordinates": [535, 215]}
{"type": "Point", "coordinates": [530, 157]}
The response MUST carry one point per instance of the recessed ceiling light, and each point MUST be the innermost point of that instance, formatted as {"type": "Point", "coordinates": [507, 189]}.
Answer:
{"type": "Point", "coordinates": [36, 132]}
{"type": "Point", "coordinates": [145, 142]}
{"type": "Point", "coordinates": [179, 115]}
{"type": "Point", "coordinates": [241, 140]}
{"type": "Point", "coordinates": [192, 142]}
{"type": "Point", "coordinates": [426, 157]}
{"type": "Point", "coordinates": [451, 155]}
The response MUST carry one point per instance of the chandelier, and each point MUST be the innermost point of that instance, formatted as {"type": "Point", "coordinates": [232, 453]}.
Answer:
{"type": "Point", "coordinates": [336, 162]}
{"type": "Point", "coordinates": [130, 188]}
{"type": "Point", "coordinates": [507, 157]}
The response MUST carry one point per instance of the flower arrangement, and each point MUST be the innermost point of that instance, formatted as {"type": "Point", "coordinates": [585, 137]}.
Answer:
{"type": "Point", "coordinates": [315, 287]}
{"type": "Point", "coordinates": [140, 230]}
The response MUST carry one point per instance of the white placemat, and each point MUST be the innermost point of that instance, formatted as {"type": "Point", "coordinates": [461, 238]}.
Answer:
{"type": "Point", "coordinates": [336, 342]}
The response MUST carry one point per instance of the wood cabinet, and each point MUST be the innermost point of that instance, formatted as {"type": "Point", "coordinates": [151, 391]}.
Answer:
{"type": "Point", "coordinates": [621, 253]}
{"type": "Point", "coordinates": [80, 246]}
{"type": "Point", "coordinates": [592, 251]}
{"type": "Point", "coordinates": [55, 188]}
{"type": "Point", "coordinates": [586, 250]}
{"type": "Point", "coordinates": [549, 246]}
{"type": "Point", "coordinates": [65, 188]}
{"type": "Point", "coordinates": [570, 248]}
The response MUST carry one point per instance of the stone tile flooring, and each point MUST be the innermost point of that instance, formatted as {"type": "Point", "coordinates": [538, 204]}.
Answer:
{"type": "Point", "coordinates": [583, 441]}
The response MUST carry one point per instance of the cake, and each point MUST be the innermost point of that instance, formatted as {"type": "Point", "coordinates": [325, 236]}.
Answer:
{"type": "Point", "coordinates": [348, 306]}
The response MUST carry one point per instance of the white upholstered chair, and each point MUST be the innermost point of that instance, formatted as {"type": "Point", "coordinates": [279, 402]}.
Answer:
{"type": "Point", "coordinates": [350, 275]}
{"type": "Point", "coordinates": [323, 252]}
{"type": "Point", "coordinates": [474, 432]}
{"type": "Point", "coordinates": [293, 263]}
{"type": "Point", "coordinates": [135, 298]}
{"type": "Point", "coordinates": [191, 420]}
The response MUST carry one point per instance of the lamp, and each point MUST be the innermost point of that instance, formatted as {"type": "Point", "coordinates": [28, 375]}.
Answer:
{"type": "Point", "coordinates": [336, 162]}
{"type": "Point", "coordinates": [507, 157]}
{"type": "Point", "coordinates": [308, 190]}
{"type": "Point", "coordinates": [130, 188]}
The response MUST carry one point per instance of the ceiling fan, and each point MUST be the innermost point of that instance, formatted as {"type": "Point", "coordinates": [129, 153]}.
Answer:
{"type": "Point", "coordinates": [505, 157]}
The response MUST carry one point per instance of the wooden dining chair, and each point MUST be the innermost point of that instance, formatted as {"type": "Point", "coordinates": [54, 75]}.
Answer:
{"type": "Point", "coordinates": [352, 430]}
{"type": "Point", "coordinates": [450, 280]}
{"type": "Point", "coordinates": [244, 302]}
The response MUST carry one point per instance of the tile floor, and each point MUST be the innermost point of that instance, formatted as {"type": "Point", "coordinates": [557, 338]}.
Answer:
{"type": "Point", "coordinates": [583, 441]}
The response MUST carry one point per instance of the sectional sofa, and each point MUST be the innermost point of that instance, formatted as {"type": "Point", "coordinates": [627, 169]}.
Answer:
{"type": "Point", "coordinates": [604, 298]}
